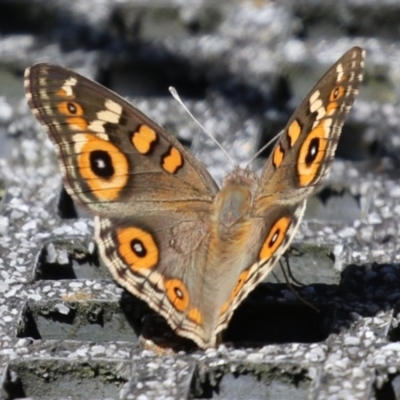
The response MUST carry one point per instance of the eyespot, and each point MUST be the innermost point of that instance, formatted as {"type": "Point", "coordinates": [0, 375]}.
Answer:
{"type": "Point", "coordinates": [70, 109]}
{"type": "Point", "coordinates": [137, 248]}
{"type": "Point", "coordinates": [75, 112]}
{"type": "Point", "coordinates": [312, 153]}
{"type": "Point", "coordinates": [102, 165]}
{"type": "Point", "coordinates": [336, 93]}
{"type": "Point", "coordinates": [274, 239]}
{"type": "Point", "coordinates": [177, 293]}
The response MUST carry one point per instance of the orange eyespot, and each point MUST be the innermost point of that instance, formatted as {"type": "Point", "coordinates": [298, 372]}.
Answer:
{"type": "Point", "coordinates": [177, 294]}
{"type": "Point", "coordinates": [137, 247]}
{"type": "Point", "coordinates": [336, 93]}
{"type": "Point", "coordinates": [312, 153]}
{"type": "Point", "coordinates": [70, 108]}
{"type": "Point", "coordinates": [274, 238]}
{"type": "Point", "coordinates": [102, 165]}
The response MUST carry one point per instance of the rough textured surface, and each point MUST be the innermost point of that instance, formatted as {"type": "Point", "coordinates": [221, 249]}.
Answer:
{"type": "Point", "coordinates": [67, 329]}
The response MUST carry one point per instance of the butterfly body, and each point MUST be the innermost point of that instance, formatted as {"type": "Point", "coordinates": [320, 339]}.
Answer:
{"type": "Point", "coordinates": [164, 229]}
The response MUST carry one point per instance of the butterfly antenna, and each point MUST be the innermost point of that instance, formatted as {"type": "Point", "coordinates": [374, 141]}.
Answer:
{"type": "Point", "coordinates": [175, 95]}
{"type": "Point", "coordinates": [264, 147]}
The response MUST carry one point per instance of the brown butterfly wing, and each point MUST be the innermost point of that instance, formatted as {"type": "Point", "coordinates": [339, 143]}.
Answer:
{"type": "Point", "coordinates": [183, 269]}
{"type": "Point", "coordinates": [297, 163]}
{"type": "Point", "coordinates": [160, 259]}
{"type": "Point", "coordinates": [153, 199]}
{"type": "Point", "coordinates": [113, 158]}
{"type": "Point", "coordinates": [307, 146]}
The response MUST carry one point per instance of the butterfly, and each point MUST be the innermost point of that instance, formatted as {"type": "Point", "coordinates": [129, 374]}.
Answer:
{"type": "Point", "coordinates": [166, 231]}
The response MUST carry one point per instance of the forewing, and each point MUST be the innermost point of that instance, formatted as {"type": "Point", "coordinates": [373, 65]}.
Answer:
{"type": "Point", "coordinates": [111, 154]}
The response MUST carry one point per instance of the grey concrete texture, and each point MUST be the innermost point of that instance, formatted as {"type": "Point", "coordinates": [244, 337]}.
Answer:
{"type": "Point", "coordinates": [68, 331]}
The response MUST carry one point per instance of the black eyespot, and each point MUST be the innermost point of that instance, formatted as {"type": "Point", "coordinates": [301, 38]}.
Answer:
{"type": "Point", "coordinates": [72, 108]}
{"type": "Point", "coordinates": [101, 164]}
{"type": "Point", "coordinates": [312, 151]}
{"type": "Point", "coordinates": [178, 293]}
{"type": "Point", "coordinates": [274, 238]}
{"type": "Point", "coordinates": [138, 248]}
{"type": "Point", "coordinates": [336, 93]}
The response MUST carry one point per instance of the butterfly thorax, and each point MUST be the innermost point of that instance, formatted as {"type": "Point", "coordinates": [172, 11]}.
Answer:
{"type": "Point", "coordinates": [235, 200]}
{"type": "Point", "coordinates": [232, 218]}
{"type": "Point", "coordinates": [232, 221]}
